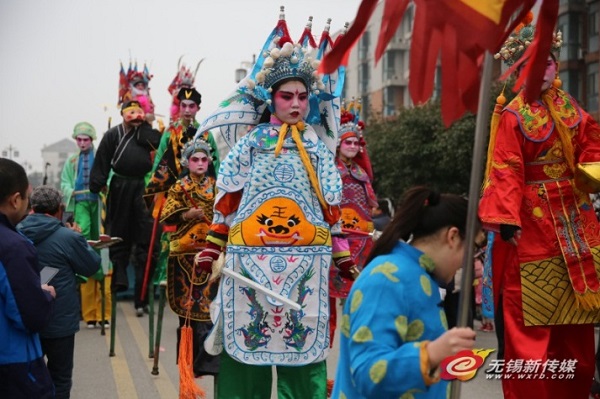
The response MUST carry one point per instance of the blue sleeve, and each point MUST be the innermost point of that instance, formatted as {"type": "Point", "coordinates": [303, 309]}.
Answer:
{"type": "Point", "coordinates": [29, 307]}
{"type": "Point", "coordinates": [384, 350]}
{"type": "Point", "coordinates": [84, 259]}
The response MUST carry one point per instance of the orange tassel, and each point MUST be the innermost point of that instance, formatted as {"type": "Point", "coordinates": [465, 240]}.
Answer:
{"type": "Point", "coordinates": [329, 387]}
{"type": "Point", "coordinates": [187, 386]}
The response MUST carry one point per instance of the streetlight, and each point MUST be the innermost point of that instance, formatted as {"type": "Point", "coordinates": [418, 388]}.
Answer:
{"type": "Point", "coordinates": [242, 71]}
{"type": "Point", "coordinates": [10, 152]}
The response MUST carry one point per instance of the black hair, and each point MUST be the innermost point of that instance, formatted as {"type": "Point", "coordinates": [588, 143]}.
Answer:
{"type": "Point", "coordinates": [421, 213]}
{"type": "Point", "coordinates": [266, 115]}
{"type": "Point", "coordinates": [13, 179]}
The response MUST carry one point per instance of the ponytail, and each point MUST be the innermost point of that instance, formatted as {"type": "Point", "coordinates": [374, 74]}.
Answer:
{"type": "Point", "coordinates": [421, 213]}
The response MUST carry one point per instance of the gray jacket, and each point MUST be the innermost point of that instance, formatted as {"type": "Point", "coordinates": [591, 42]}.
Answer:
{"type": "Point", "coordinates": [61, 247]}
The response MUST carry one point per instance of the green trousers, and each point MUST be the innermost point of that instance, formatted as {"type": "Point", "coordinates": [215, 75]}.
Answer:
{"type": "Point", "coordinates": [243, 381]}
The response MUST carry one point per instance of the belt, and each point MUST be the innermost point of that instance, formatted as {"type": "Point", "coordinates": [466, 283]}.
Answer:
{"type": "Point", "coordinates": [547, 171]}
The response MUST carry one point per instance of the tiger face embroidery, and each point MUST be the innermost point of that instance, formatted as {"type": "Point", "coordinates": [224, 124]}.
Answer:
{"type": "Point", "coordinates": [278, 222]}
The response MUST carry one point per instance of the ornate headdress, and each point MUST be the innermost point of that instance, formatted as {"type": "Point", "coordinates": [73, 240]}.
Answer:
{"type": "Point", "coordinates": [183, 79]}
{"type": "Point", "coordinates": [515, 46]}
{"type": "Point", "coordinates": [350, 123]}
{"type": "Point", "coordinates": [284, 60]}
{"type": "Point", "coordinates": [352, 126]}
{"type": "Point", "coordinates": [128, 91]}
{"type": "Point", "coordinates": [242, 109]}
{"type": "Point", "coordinates": [192, 147]}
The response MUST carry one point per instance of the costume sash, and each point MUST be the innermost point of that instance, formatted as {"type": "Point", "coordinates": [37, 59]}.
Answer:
{"type": "Point", "coordinates": [574, 246]}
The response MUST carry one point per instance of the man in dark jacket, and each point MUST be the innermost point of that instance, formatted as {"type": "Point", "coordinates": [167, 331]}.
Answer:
{"type": "Point", "coordinates": [25, 304]}
{"type": "Point", "coordinates": [68, 251]}
{"type": "Point", "coordinates": [125, 149]}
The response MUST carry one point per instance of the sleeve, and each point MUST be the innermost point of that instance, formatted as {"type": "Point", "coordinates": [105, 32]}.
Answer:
{"type": "Point", "coordinates": [330, 182]}
{"type": "Point", "coordinates": [102, 159]}
{"type": "Point", "coordinates": [26, 304]}
{"type": "Point", "coordinates": [160, 152]}
{"type": "Point", "coordinates": [588, 140]}
{"type": "Point", "coordinates": [215, 151]}
{"type": "Point", "coordinates": [503, 190]}
{"type": "Point", "coordinates": [174, 206]}
{"type": "Point", "coordinates": [83, 258]}
{"type": "Point", "coordinates": [233, 174]}
{"type": "Point", "coordinates": [148, 137]}
{"type": "Point", "coordinates": [67, 182]}
{"type": "Point", "coordinates": [382, 363]}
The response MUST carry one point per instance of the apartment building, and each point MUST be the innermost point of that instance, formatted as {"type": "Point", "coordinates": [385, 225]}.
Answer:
{"type": "Point", "coordinates": [383, 88]}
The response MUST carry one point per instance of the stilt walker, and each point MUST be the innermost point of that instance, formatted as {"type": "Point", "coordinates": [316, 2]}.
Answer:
{"type": "Point", "coordinates": [167, 163]}
{"type": "Point", "coordinates": [277, 216]}
{"type": "Point", "coordinates": [189, 207]}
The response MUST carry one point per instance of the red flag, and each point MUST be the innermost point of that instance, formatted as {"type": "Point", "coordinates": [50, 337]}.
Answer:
{"type": "Point", "coordinates": [459, 31]}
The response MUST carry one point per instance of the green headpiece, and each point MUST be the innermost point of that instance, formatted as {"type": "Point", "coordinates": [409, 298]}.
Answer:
{"type": "Point", "coordinates": [85, 129]}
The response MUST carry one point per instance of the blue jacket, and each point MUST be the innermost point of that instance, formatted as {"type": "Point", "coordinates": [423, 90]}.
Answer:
{"type": "Point", "coordinates": [24, 307]}
{"type": "Point", "coordinates": [61, 247]}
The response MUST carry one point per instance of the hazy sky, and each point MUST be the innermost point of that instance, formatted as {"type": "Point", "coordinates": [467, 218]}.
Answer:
{"type": "Point", "coordinates": [60, 58]}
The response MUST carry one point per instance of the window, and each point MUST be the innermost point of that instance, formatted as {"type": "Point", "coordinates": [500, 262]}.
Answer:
{"type": "Point", "coordinates": [366, 108]}
{"type": "Point", "coordinates": [363, 78]}
{"type": "Point", "coordinates": [592, 87]}
{"type": "Point", "coordinates": [593, 28]}
{"type": "Point", "coordinates": [389, 104]}
{"type": "Point", "coordinates": [571, 82]}
{"type": "Point", "coordinates": [407, 22]}
{"type": "Point", "coordinates": [388, 65]}
{"type": "Point", "coordinates": [363, 46]}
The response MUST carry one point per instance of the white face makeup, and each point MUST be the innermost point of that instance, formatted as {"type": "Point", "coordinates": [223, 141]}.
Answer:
{"type": "Point", "coordinates": [291, 102]}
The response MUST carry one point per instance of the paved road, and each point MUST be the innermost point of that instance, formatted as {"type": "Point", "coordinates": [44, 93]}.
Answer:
{"type": "Point", "coordinates": [127, 374]}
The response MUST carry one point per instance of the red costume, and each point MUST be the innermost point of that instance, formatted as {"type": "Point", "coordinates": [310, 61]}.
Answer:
{"type": "Point", "coordinates": [549, 281]}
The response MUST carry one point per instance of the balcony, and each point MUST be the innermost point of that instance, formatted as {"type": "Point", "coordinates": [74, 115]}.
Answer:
{"type": "Point", "coordinates": [395, 80]}
{"type": "Point", "coordinates": [399, 44]}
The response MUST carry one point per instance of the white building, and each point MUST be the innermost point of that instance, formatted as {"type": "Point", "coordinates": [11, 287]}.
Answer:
{"type": "Point", "coordinates": [54, 157]}
{"type": "Point", "coordinates": [383, 88]}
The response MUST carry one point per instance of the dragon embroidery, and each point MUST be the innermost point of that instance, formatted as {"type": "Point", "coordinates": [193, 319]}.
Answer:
{"type": "Point", "coordinates": [256, 332]}
{"type": "Point", "coordinates": [296, 332]}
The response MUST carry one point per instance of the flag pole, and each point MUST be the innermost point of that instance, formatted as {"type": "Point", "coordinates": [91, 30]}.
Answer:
{"type": "Point", "coordinates": [479, 147]}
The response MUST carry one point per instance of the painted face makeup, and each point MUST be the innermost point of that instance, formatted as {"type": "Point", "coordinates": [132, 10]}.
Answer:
{"type": "Point", "coordinates": [349, 147]}
{"type": "Point", "coordinates": [291, 102]}
{"type": "Point", "coordinates": [198, 164]}
{"type": "Point", "coordinates": [83, 142]}
{"type": "Point", "coordinates": [188, 110]}
{"type": "Point", "coordinates": [549, 74]}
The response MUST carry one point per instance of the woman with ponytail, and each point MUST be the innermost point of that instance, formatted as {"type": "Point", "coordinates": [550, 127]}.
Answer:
{"type": "Point", "coordinates": [394, 331]}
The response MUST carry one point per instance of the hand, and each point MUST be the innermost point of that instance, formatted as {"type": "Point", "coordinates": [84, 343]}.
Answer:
{"type": "Point", "coordinates": [193, 213]}
{"type": "Point", "coordinates": [510, 233]}
{"type": "Point", "coordinates": [348, 269]}
{"type": "Point", "coordinates": [450, 343]}
{"type": "Point", "coordinates": [74, 226]}
{"type": "Point", "coordinates": [204, 260]}
{"type": "Point", "coordinates": [50, 289]}
{"type": "Point", "coordinates": [99, 275]}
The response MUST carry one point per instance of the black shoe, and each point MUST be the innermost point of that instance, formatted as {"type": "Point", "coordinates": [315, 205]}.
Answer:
{"type": "Point", "coordinates": [91, 324]}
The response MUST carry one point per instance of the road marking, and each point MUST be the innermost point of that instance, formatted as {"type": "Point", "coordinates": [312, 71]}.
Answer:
{"type": "Point", "coordinates": [121, 375]}
{"type": "Point", "coordinates": [163, 383]}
